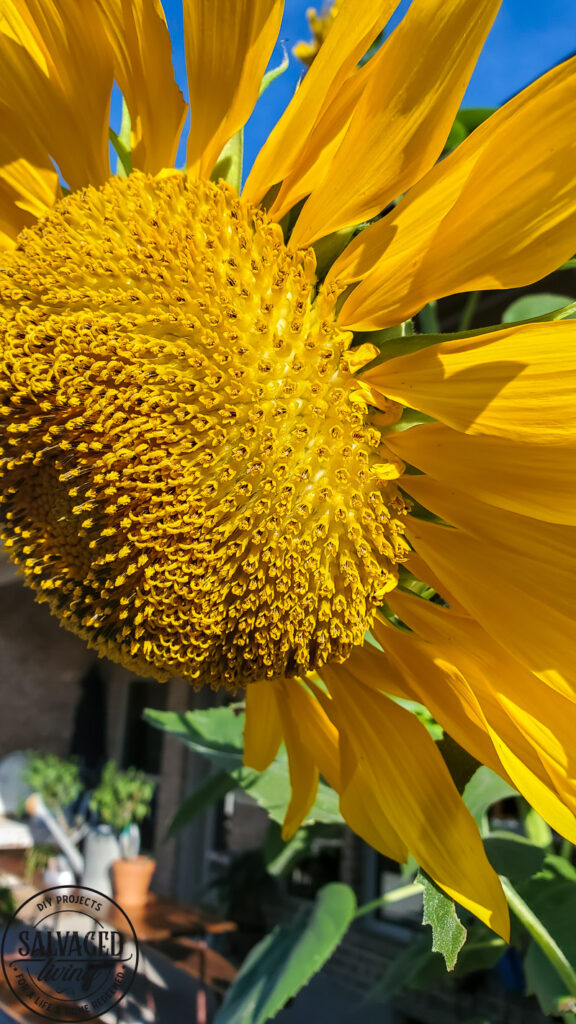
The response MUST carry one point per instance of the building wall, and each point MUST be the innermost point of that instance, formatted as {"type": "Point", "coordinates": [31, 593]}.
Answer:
{"type": "Point", "coordinates": [40, 668]}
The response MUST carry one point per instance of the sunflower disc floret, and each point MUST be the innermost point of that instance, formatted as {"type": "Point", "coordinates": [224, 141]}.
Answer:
{"type": "Point", "coordinates": [187, 474]}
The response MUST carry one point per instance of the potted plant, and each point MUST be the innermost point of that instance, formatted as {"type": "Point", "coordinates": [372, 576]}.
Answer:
{"type": "Point", "coordinates": [57, 781]}
{"type": "Point", "coordinates": [56, 786]}
{"type": "Point", "coordinates": [123, 800]}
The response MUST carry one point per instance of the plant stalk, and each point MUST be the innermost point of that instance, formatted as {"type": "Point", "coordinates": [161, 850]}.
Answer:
{"type": "Point", "coordinates": [541, 935]}
{"type": "Point", "coordinates": [428, 318]}
{"type": "Point", "coordinates": [404, 892]}
{"type": "Point", "coordinates": [469, 311]}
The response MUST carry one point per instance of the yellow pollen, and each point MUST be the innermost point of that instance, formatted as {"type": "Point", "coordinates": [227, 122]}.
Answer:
{"type": "Point", "coordinates": [187, 472]}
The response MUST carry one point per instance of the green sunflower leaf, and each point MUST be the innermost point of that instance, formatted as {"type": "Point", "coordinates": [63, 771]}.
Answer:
{"type": "Point", "coordinates": [218, 734]}
{"type": "Point", "coordinates": [513, 855]}
{"type": "Point", "coordinates": [215, 788]}
{"type": "Point", "coordinates": [537, 830]}
{"type": "Point", "coordinates": [448, 932]}
{"type": "Point", "coordinates": [286, 959]}
{"type": "Point", "coordinates": [484, 789]}
{"type": "Point", "coordinates": [530, 307]}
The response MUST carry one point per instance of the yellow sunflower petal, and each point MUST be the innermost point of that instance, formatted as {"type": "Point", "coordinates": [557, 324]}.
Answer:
{"type": "Point", "coordinates": [143, 66]}
{"type": "Point", "coordinates": [437, 685]}
{"type": "Point", "coordinates": [320, 145]}
{"type": "Point", "coordinates": [467, 703]}
{"type": "Point", "coordinates": [531, 727]}
{"type": "Point", "coordinates": [56, 69]}
{"type": "Point", "coordinates": [535, 480]}
{"type": "Point", "coordinates": [28, 182]}
{"type": "Point", "coordinates": [422, 571]}
{"type": "Point", "coordinates": [518, 383]}
{"type": "Point", "coordinates": [513, 574]}
{"type": "Point", "coordinates": [539, 795]}
{"type": "Point", "coordinates": [360, 790]}
{"type": "Point", "coordinates": [511, 179]}
{"type": "Point", "coordinates": [361, 806]}
{"type": "Point", "coordinates": [316, 730]}
{"type": "Point", "coordinates": [403, 118]}
{"type": "Point", "coordinates": [228, 45]}
{"type": "Point", "coordinates": [263, 726]}
{"type": "Point", "coordinates": [355, 27]}
{"type": "Point", "coordinates": [422, 801]}
{"type": "Point", "coordinates": [304, 774]}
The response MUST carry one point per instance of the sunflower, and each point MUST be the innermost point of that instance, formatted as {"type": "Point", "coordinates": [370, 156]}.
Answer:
{"type": "Point", "coordinates": [320, 23]}
{"type": "Point", "coordinates": [220, 463]}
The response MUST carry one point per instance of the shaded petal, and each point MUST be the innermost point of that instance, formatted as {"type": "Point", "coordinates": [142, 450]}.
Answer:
{"type": "Point", "coordinates": [400, 125]}
{"type": "Point", "coordinates": [422, 571]}
{"type": "Point", "coordinates": [228, 46]}
{"type": "Point", "coordinates": [56, 72]}
{"type": "Point", "coordinates": [140, 41]}
{"type": "Point", "coordinates": [361, 807]}
{"type": "Point", "coordinates": [263, 726]}
{"type": "Point", "coordinates": [535, 480]}
{"type": "Point", "coordinates": [304, 775]}
{"type": "Point", "coordinates": [513, 574]}
{"type": "Point", "coordinates": [28, 182]}
{"type": "Point", "coordinates": [360, 790]}
{"type": "Point", "coordinates": [439, 686]}
{"type": "Point", "coordinates": [530, 725]}
{"type": "Point", "coordinates": [317, 731]}
{"type": "Point", "coordinates": [355, 27]}
{"type": "Point", "coordinates": [518, 383]}
{"type": "Point", "coordinates": [420, 798]}
{"type": "Point", "coordinates": [499, 212]}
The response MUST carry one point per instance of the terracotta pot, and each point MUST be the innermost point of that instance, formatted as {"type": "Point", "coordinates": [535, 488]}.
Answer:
{"type": "Point", "coordinates": [132, 879]}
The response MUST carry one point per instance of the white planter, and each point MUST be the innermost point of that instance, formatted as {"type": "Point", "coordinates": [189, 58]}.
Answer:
{"type": "Point", "coordinates": [59, 872]}
{"type": "Point", "coordinates": [101, 849]}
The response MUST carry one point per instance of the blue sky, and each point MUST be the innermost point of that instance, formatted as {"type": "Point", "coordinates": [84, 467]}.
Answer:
{"type": "Point", "coordinates": [528, 38]}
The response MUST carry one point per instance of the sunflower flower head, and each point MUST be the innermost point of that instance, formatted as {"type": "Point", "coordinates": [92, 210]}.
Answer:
{"type": "Point", "coordinates": [208, 498]}
{"type": "Point", "coordinates": [320, 24]}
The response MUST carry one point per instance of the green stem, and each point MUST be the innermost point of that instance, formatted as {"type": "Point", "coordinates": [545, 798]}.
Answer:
{"type": "Point", "coordinates": [541, 935]}
{"type": "Point", "coordinates": [395, 896]}
{"type": "Point", "coordinates": [469, 311]}
{"type": "Point", "coordinates": [428, 318]}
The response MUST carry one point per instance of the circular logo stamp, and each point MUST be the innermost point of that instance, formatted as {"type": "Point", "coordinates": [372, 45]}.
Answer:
{"type": "Point", "coordinates": [69, 953]}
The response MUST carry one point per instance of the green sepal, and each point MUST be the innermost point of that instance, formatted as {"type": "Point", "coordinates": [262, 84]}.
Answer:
{"type": "Point", "coordinates": [274, 73]}
{"type": "Point", "coordinates": [466, 121]}
{"type": "Point", "coordinates": [329, 248]}
{"type": "Point", "coordinates": [229, 164]}
{"type": "Point", "coordinates": [122, 144]}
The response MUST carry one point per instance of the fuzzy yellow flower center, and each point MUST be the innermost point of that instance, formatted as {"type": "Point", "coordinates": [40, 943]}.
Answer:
{"type": "Point", "coordinates": [187, 475]}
